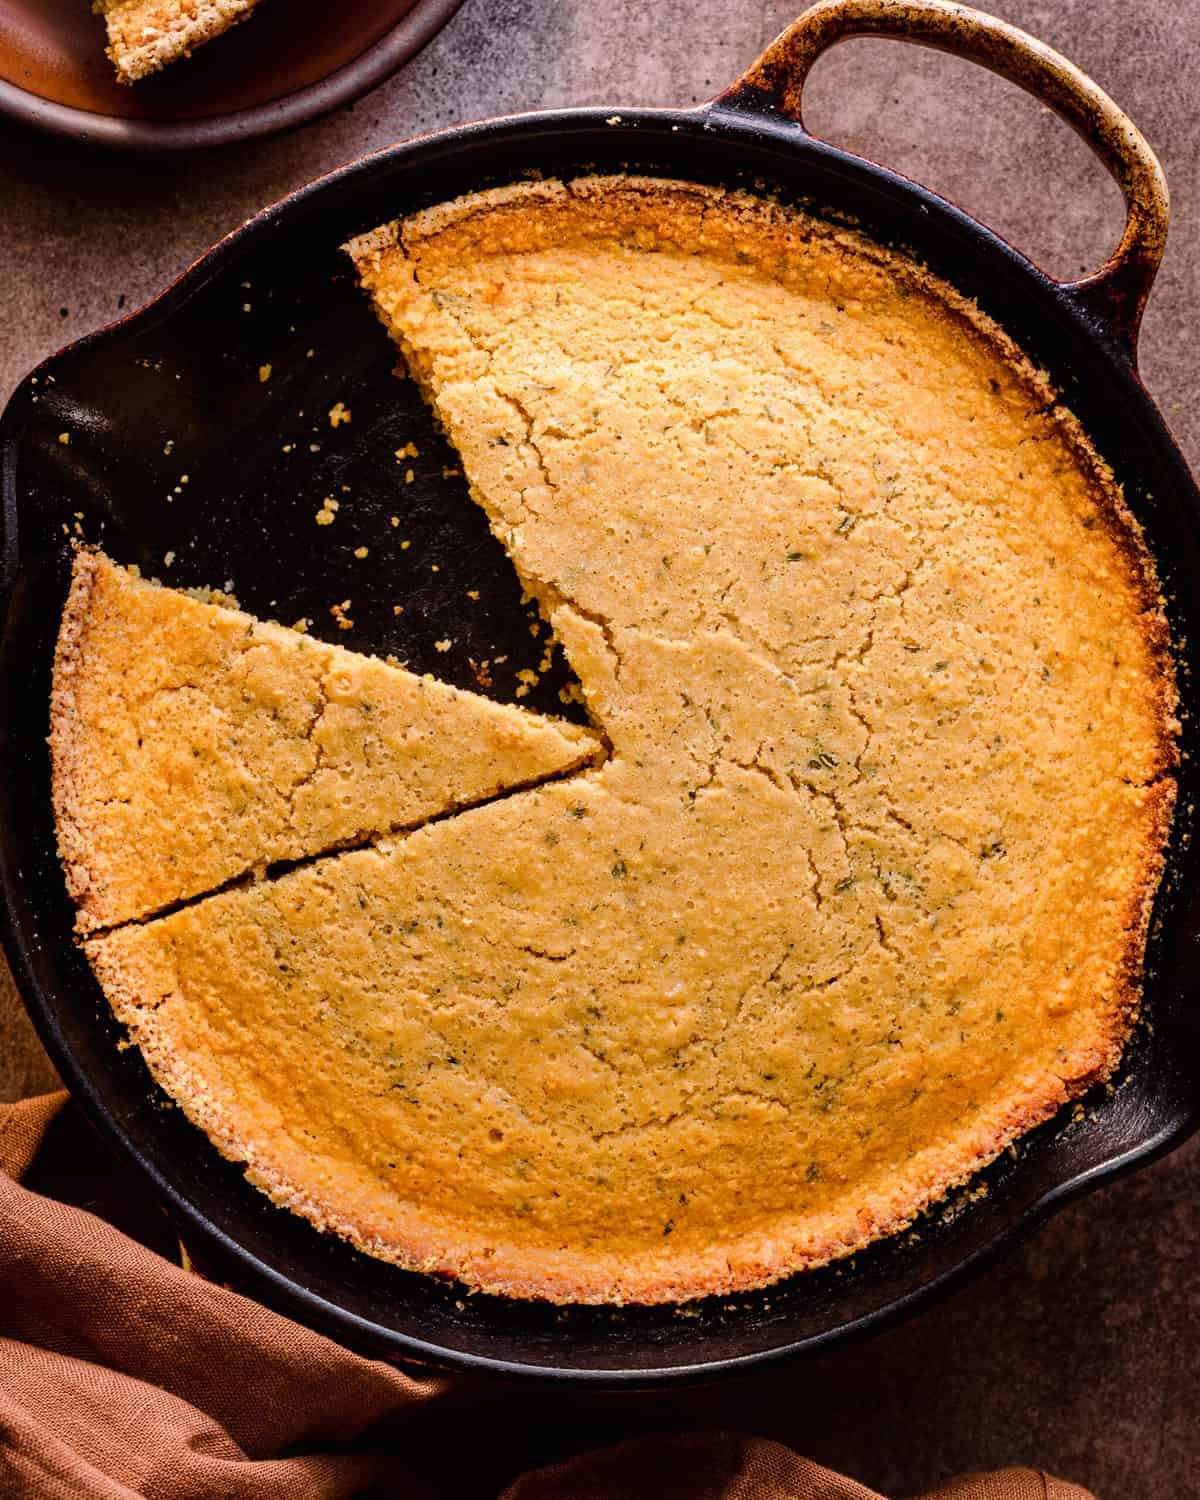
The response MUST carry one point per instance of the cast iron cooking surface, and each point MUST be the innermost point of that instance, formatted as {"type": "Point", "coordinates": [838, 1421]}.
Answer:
{"type": "Point", "coordinates": [175, 390]}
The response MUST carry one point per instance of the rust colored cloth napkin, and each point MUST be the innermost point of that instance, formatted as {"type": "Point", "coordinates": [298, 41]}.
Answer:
{"type": "Point", "coordinates": [122, 1374]}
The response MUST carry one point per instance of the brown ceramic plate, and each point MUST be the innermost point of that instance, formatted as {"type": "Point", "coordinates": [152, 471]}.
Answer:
{"type": "Point", "coordinates": [290, 62]}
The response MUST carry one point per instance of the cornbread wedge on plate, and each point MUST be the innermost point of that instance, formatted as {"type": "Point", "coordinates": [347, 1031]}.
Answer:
{"type": "Point", "coordinates": [146, 35]}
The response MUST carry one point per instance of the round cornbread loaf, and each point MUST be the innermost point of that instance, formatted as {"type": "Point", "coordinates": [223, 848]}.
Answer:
{"type": "Point", "coordinates": [861, 891]}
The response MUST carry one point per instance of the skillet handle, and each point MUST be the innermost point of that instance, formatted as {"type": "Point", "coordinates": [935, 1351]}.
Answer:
{"type": "Point", "coordinates": [1115, 295]}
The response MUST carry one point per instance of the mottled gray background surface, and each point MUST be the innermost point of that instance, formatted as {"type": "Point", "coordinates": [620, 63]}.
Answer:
{"type": "Point", "coordinates": [1079, 1352]}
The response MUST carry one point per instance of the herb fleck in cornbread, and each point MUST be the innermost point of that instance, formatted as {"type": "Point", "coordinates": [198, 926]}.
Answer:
{"type": "Point", "coordinates": [192, 743]}
{"type": "Point", "coordinates": [862, 890]}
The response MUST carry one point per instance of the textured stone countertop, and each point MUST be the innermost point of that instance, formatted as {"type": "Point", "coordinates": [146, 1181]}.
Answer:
{"type": "Point", "coordinates": [1080, 1352]}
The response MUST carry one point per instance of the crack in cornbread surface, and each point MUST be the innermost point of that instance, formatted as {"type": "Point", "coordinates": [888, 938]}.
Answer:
{"type": "Point", "coordinates": [191, 743]}
{"type": "Point", "coordinates": [146, 35]}
{"type": "Point", "coordinates": [862, 891]}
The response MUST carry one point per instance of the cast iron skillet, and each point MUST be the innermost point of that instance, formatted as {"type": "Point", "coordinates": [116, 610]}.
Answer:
{"type": "Point", "coordinates": [175, 390]}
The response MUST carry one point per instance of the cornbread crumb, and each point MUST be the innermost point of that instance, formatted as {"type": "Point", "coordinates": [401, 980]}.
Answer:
{"type": "Point", "coordinates": [339, 414]}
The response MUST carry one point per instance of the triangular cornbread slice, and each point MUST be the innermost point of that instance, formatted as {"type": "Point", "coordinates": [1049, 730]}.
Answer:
{"type": "Point", "coordinates": [146, 35]}
{"type": "Point", "coordinates": [192, 743]}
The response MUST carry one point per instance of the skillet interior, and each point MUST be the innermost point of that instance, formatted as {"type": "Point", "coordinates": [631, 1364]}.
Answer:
{"type": "Point", "coordinates": [176, 390]}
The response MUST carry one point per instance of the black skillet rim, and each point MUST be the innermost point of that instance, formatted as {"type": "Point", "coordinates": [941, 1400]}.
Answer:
{"type": "Point", "coordinates": [279, 1290]}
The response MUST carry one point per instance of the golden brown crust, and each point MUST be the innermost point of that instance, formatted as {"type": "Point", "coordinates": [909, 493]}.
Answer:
{"type": "Point", "coordinates": [862, 892]}
{"type": "Point", "coordinates": [68, 654]}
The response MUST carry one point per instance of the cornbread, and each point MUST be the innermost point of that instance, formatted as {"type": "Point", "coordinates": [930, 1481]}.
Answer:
{"type": "Point", "coordinates": [146, 35]}
{"type": "Point", "coordinates": [861, 891]}
{"type": "Point", "coordinates": [192, 744]}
